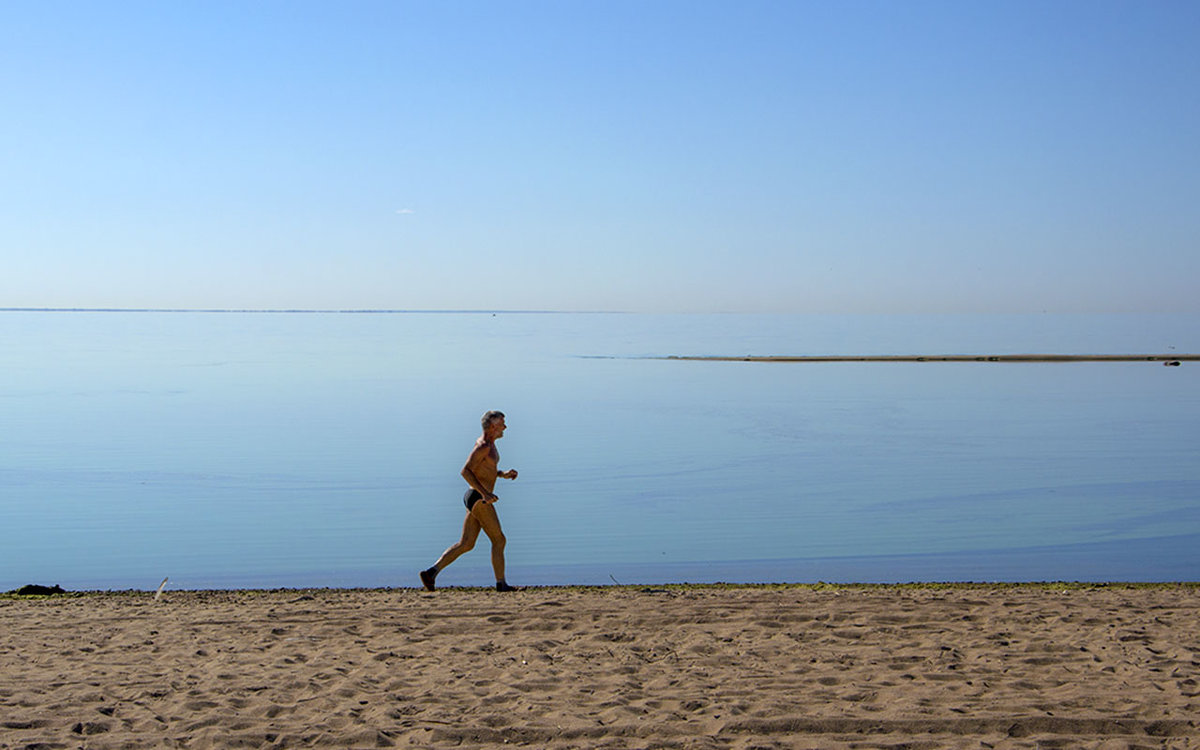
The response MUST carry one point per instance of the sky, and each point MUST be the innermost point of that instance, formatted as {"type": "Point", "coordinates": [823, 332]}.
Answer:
{"type": "Point", "coordinates": [891, 156]}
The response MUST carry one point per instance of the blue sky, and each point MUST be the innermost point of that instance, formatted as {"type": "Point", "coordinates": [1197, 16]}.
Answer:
{"type": "Point", "coordinates": [881, 157]}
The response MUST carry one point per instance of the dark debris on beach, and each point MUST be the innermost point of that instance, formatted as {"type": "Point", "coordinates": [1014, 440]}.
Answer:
{"type": "Point", "coordinates": [34, 589]}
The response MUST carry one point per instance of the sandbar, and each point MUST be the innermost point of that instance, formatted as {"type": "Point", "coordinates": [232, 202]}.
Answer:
{"type": "Point", "coordinates": [1010, 358]}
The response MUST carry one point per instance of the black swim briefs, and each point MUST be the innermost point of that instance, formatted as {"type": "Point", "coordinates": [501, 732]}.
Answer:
{"type": "Point", "coordinates": [471, 498]}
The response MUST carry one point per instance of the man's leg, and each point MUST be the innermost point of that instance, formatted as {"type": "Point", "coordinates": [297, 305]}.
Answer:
{"type": "Point", "coordinates": [485, 516]}
{"type": "Point", "coordinates": [465, 544]}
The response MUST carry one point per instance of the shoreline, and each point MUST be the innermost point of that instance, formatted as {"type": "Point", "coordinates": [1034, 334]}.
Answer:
{"type": "Point", "coordinates": [820, 586]}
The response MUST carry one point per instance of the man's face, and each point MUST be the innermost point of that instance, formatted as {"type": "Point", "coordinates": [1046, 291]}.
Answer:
{"type": "Point", "coordinates": [498, 428]}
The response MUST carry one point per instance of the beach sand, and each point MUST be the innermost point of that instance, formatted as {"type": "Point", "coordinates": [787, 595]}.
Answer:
{"type": "Point", "coordinates": [1011, 666]}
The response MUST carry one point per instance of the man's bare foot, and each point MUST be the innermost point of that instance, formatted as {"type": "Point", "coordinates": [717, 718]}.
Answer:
{"type": "Point", "coordinates": [502, 586]}
{"type": "Point", "coordinates": [427, 578]}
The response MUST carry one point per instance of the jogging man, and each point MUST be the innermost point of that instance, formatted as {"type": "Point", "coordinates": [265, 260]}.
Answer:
{"type": "Point", "coordinates": [481, 471]}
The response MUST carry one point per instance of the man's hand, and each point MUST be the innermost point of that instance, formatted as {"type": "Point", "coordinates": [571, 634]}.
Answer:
{"type": "Point", "coordinates": [510, 474]}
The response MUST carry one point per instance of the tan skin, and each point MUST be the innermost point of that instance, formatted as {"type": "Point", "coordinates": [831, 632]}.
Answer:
{"type": "Point", "coordinates": [481, 472]}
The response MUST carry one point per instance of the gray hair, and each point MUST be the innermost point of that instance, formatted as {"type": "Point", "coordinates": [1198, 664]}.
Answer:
{"type": "Point", "coordinates": [491, 417]}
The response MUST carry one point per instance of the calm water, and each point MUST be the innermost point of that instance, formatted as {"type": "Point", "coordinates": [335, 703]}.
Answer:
{"type": "Point", "coordinates": [261, 450]}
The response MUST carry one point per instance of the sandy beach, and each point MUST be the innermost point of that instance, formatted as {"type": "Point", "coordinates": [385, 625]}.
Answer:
{"type": "Point", "coordinates": [1023, 666]}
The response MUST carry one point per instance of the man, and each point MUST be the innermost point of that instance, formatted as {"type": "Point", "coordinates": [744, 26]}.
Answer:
{"type": "Point", "coordinates": [481, 471]}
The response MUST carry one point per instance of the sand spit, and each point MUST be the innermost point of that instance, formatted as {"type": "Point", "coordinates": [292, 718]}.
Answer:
{"type": "Point", "coordinates": [1017, 358]}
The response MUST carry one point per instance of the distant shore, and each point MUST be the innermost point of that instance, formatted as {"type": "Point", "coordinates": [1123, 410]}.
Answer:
{"type": "Point", "coordinates": [928, 665]}
{"type": "Point", "coordinates": [943, 358]}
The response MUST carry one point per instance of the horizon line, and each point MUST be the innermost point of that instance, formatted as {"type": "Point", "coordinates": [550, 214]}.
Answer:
{"type": "Point", "coordinates": [301, 310]}
{"type": "Point", "coordinates": [495, 311]}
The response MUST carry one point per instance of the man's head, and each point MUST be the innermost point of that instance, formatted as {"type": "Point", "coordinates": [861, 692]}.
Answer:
{"type": "Point", "coordinates": [493, 422]}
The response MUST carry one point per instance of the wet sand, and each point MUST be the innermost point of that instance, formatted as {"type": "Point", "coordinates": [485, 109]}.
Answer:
{"type": "Point", "coordinates": [1004, 666]}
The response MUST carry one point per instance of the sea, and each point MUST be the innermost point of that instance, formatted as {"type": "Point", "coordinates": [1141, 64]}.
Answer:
{"type": "Point", "coordinates": [294, 449]}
